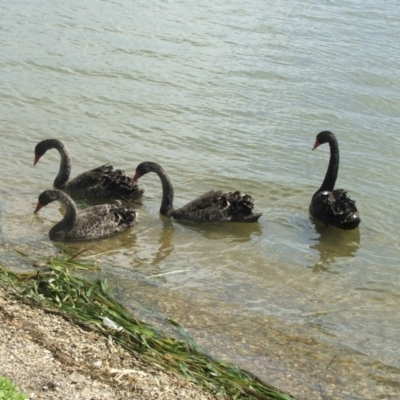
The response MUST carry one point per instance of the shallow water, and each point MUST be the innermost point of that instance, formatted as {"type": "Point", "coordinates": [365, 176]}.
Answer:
{"type": "Point", "coordinates": [231, 96]}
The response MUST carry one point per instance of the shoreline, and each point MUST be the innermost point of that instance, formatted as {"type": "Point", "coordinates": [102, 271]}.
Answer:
{"type": "Point", "coordinates": [55, 340]}
{"type": "Point", "coordinates": [48, 357]}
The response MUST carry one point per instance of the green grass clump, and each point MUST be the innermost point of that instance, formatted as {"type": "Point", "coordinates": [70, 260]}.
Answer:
{"type": "Point", "coordinates": [8, 391]}
{"type": "Point", "coordinates": [56, 289]}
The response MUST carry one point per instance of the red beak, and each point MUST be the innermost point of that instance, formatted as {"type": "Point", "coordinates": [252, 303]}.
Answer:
{"type": "Point", "coordinates": [316, 144]}
{"type": "Point", "coordinates": [136, 177]}
{"type": "Point", "coordinates": [38, 207]}
{"type": "Point", "coordinates": [37, 158]}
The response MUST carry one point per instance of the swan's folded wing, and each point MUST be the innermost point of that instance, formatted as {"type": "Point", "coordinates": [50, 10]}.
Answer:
{"type": "Point", "coordinates": [210, 200]}
{"type": "Point", "coordinates": [102, 221]}
{"type": "Point", "coordinates": [219, 206]}
{"type": "Point", "coordinates": [104, 182]}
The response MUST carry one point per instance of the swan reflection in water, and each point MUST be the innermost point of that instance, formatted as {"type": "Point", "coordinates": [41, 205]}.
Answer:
{"type": "Point", "coordinates": [165, 243]}
{"type": "Point", "coordinates": [332, 244]}
{"type": "Point", "coordinates": [232, 232]}
{"type": "Point", "coordinates": [144, 249]}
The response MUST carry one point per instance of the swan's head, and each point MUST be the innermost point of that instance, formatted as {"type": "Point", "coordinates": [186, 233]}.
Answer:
{"type": "Point", "coordinates": [323, 137]}
{"type": "Point", "coordinates": [45, 145]}
{"type": "Point", "coordinates": [45, 198]}
{"type": "Point", "coordinates": [40, 149]}
{"type": "Point", "coordinates": [146, 167]}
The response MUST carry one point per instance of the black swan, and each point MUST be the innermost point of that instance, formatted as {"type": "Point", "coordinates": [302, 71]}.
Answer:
{"type": "Point", "coordinates": [92, 223]}
{"type": "Point", "coordinates": [333, 207]}
{"type": "Point", "coordinates": [102, 182]}
{"type": "Point", "coordinates": [214, 206]}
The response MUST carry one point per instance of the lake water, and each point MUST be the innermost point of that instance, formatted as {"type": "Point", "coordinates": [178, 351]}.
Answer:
{"type": "Point", "coordinates": [229, 95]}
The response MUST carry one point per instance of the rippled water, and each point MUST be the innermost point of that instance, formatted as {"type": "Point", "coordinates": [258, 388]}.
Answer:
{"type": "Point", "coordinates": [225, 95]}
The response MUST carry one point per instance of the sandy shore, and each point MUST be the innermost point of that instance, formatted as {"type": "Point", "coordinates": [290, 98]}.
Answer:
{"type": "Point", "coordinates": [48, 357]}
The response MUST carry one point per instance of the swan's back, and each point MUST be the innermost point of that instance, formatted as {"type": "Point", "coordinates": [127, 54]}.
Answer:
{"type": "Point", "coordinates": [219, 206]}
{"type": "Point", "coordinates": [103, 182]}
{"type": "Point", "coordinates": [335, 208]}
{"type": "Point", "coordinates": [97, 222]}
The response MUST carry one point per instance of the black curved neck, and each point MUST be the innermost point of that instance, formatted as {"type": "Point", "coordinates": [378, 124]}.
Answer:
{"type": "Point", "coordinates": [70, 217]}
{"type": "Point", "coordinates": [168, 191]}
{"type": "Point", "coordinates": [333, 168]}
{"type": "Point", "coordinates": [65, 165]}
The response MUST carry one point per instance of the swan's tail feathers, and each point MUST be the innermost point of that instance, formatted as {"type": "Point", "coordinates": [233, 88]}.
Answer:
{"type": "Point", "coordinates": [341, 203]}
{"type": "Point", "coordinates": [125, 216]}
{"type": "Point", "coordinates": [241, 207]}
{"type": "Point", "coordinates": [335, 208]}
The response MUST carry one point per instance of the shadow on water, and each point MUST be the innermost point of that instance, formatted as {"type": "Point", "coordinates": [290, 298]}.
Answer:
{"type": "Point", "coordinates": [333, 243]}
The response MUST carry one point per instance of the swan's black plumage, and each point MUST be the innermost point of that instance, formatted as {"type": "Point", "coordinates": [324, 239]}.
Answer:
{"type": "Point", "coordinates": [103, 182]}
{"type": "Point", "coordinates": [213, 206]}
{"type": "Point", "coordinates": [330, 205]}
{"type": "Point", "coordinates": [92, 223]}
